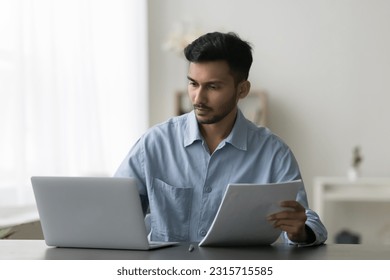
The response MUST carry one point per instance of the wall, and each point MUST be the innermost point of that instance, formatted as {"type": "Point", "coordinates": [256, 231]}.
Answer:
{"type": "Point", "coordinates": [325, 65]}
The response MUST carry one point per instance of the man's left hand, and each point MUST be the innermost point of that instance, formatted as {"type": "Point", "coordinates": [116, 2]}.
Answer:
{"type": "Point", "coordinates": [291, 220]}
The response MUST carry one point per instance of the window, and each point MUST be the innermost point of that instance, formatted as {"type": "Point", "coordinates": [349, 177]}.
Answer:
{"type": "Point", "coordinates": [73, 89]}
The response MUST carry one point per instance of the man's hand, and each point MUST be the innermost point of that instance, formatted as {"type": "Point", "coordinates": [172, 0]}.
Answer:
{"type": "Point", "coordinates": [291, 220]}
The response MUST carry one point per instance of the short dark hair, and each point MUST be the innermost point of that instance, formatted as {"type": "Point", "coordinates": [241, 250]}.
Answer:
{"type": "Point", "coordinates": [222, 46]}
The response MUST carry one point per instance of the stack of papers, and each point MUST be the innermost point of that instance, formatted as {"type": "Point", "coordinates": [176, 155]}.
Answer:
{"type": "Point", "coordinates": [241, 219]}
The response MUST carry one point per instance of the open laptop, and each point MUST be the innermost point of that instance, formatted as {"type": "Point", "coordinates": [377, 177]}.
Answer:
{"type": "Point", "coordinates": [92, 212]}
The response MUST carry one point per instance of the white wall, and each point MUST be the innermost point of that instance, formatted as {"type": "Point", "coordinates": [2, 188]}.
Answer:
{"type": "Point", "coordinates": [325, 65]}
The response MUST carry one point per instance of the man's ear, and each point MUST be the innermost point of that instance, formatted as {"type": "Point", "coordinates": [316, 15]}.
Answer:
{"type": "Point", "coordinates": [244, 88]}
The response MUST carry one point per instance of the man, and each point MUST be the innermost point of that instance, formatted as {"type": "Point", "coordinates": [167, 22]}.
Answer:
{"type": "Point", "coordinates": [184, 165]}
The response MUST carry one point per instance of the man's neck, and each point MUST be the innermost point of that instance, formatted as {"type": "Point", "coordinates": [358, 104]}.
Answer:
{"type": "Point", "coordinates": [216, 133]}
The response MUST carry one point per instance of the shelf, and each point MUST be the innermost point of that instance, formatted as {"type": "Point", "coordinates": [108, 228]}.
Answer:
{"type": "Point", "coordinates": [370, 221]}
{"type": "Point", "coordinates": [359, 197]}
{"type": "Point", "coordinates": [355, 191]}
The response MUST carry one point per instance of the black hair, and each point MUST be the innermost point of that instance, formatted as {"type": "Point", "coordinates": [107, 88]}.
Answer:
{"type": "Point", "coordinates": [222, 46]}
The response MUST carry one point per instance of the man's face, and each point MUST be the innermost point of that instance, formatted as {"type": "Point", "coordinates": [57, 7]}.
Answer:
{"type": "Point", "coordinates": [212, 91]}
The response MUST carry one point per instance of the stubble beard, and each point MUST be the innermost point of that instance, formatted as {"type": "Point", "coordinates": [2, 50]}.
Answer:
{"type": "Point", "coordinates": [201, 109]}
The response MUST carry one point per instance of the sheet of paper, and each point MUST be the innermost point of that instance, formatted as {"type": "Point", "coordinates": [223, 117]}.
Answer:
{"type": "Point", "coordinates": [242, 216]}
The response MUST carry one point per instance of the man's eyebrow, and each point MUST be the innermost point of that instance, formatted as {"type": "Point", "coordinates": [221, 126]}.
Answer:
{"type": "Point", "coordinates": [209, 82]}
{"type": "Point", "coordinates": [191, 79]}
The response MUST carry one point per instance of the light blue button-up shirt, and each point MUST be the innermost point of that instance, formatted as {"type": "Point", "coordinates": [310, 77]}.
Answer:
{"type": "Point", "coordinates": [183, 184]}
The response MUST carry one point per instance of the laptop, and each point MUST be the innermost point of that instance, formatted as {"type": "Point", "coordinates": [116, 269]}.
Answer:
{"type": "Point", "coordinates": [92, 212]}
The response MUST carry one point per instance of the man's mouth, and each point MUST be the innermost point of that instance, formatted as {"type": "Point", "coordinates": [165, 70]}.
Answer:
{"type": "Point", "coordinates": [201, 108]}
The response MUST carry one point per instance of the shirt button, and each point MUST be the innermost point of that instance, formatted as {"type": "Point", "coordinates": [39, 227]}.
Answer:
{"type": "Point", "coordinates": [207, 190]}
{"type": "Point", "coordinates": [203, 232]}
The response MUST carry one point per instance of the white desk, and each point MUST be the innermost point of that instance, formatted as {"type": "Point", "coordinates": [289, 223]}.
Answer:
{"type": "Point", "coordinates": [11, 216]}
{"type": "Point", "coordinates": [366, 199]}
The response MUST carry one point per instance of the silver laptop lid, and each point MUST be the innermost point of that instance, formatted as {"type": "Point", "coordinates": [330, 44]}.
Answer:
{"type": "Point", "coordinates": [90, 212]}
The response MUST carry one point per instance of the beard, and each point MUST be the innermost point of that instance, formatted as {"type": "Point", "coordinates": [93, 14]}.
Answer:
{"type": "Point", "coordinates": [208, 115]}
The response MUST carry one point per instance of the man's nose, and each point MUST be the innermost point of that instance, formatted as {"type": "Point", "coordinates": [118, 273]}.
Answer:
{"type": "Point", "coordinates": [200, 95]}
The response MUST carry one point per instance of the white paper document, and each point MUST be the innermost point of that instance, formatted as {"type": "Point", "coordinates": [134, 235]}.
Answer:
{"type": "Point", "coordinates": [242, 215]}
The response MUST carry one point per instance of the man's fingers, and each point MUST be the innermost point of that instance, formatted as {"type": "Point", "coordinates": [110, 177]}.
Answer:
{"type": "Point", "coordinates": [291, 204]}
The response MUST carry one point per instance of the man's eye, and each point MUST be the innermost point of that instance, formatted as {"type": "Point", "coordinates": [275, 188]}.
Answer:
{"type": "Point", "coordinates": [191, 83]}
{"type": "Point", "coordinates": [213, 87]}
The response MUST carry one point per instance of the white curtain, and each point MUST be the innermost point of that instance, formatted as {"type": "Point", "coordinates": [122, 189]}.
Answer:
{"type": "Point", "coordinates": [73, 88]}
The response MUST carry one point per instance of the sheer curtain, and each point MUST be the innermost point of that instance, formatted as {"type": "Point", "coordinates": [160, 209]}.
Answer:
{"type": "Point", "coordinates": [73, 88]}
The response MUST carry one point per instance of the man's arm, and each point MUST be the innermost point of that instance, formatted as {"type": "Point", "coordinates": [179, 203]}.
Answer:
{"type": "Point", "coordinates": [301, 225]}
{"type": "Point", "coordinates": [133, 166]}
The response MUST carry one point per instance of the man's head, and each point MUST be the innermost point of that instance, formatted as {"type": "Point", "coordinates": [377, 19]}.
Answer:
{"type": "Point", "coordinates": [217, 76]}
{"type": "Point", "coordinates": [224, 47]}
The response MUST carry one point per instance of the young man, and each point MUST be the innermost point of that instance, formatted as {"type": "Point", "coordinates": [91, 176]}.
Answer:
{"type": "Point", "coordinates": [184, 165]}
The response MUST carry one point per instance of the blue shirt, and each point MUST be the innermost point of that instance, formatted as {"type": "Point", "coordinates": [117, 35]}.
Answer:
{"type": "Point", "coordinates": [183, 184]}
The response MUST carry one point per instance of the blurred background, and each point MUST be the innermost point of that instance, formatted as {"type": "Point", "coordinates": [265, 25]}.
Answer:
{"type": "Point", "coordinates": [80, 81]}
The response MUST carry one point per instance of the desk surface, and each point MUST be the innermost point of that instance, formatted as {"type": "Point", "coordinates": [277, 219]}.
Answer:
{"type": "Point", "coordinates": [37, 250]}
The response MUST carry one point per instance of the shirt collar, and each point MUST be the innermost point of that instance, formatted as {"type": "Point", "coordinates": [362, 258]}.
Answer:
{"type": "Point", "coordinates": [237, 137]}
{"type": "Point", "coordinates": [193, 134]}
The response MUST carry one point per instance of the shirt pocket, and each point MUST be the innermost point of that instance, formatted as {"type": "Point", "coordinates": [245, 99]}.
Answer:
{"type": "Point", "coordinates": [170, 209]}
